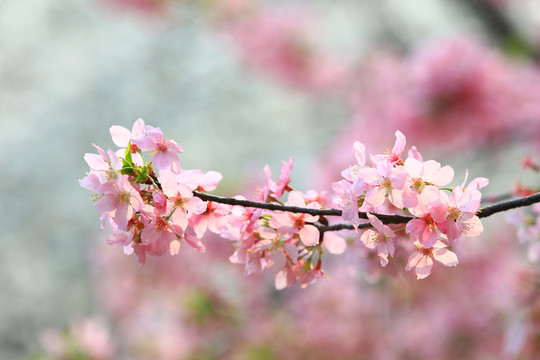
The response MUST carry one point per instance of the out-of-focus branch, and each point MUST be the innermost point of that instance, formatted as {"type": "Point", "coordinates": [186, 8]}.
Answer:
{"type": "Point", "coordinates": [499, 27]}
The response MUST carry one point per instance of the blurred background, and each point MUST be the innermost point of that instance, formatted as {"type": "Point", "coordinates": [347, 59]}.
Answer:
{"type": "Point", "coordinates": [241, 84]}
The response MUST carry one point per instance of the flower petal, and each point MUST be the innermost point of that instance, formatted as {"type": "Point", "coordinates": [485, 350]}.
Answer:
{"type": "Point", "coordinates": [309, 235]}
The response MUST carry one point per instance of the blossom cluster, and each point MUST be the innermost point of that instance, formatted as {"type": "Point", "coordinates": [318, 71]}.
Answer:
{"type": "Point", "coordinates": [410, 186]}
{"type": "Point", "coordinates": [527, 221]}
{"type": "Point", "coordinates": [153, 207]}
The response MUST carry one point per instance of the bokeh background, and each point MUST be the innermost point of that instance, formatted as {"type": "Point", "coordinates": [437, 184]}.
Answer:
{"type": "Point", "coordinates": [241, 84]}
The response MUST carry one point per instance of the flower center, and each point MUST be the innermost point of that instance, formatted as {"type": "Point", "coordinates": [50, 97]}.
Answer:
{"type": "Point", "coordinates": [386, 184]}
{"type": "Point", "coordinates": [419, 184]}
{"type": "Point", "coordinates": [454, 214]}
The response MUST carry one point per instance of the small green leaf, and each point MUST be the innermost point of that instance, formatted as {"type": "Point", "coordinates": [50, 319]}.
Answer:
{"type": "Point", "coordinates": [127, 156]}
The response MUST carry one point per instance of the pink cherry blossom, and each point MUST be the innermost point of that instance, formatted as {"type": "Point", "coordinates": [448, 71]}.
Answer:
{"type": "Point", "coordinates": [298, 223]}
{"type": "Point", "coordinates": [181, 198]}
{"type": "Point", "coordinates": [382, 239]}
{"type": "Point", "coordinates": [164, 151]}
{"type": "Point", "coordinates": [352, 173]}
{"type": "Point", "coordinates": [122, 138]}
{"type": "Point", "coordinates": [385, 180]}
{"type": "Point", "coordinates": [278, 188]}
{"type": "Point", "coordinates": [461, 212]}
{"type": "Point", "coordinates": [394, 156]}
{"type": "Point", "coordinates": [426, 228]}
{"type": "Point", "coordinates": [348, 200]}
{"type": "Point", "coordinates": [422, 175]}
{"type": "Point", "coordinates": [120, 199]}
{"type": "Point", "coordinates": [213, 219]}
{"type": "Point", "coordinates": [422, 260]}
{"type": "Point", "coordinates": [104, 167]}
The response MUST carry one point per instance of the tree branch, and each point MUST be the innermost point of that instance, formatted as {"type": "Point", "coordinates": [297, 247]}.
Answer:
{"type": "Point", "coordinates": [386, 219]}
{"type": "Point", "coordinates": [508, 205]}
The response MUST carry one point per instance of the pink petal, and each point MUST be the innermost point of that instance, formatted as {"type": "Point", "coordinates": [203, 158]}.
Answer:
{"type": "Point", "coordinates": [444, 176]}
{"type": "Point", "coordinates": [413, 153]}
{"type": "Point", "coordinates": [174, 147]}
{"type": "Point", "coordinates": [409, 198]}
{"type": "Point", "coordinates": [477, 184]}
{"type": "Point", "coordinates": [366, 237]}
{"type": "Point", "coordinates": [280, 281]}
{"type": "Point", "coordinates": [428, 237]}
{"type": "Point", "coordinates": [140, 252]}
{"type": "Point", "coordinates": [180, 218]}
{"type": "Point", "coordinates": [144, 143]}
{"type": "Point", "coordinates": [360, 153]}
{"type": "Point", "coordinates": [391, 247]}
{"type": "Point", "coordinates": [149, 235]}
{"type": "Point", "coordinates": [169, 183]}
{"type": "Point", "coordinates": [309, 235]}
{"type": "Point", "coordinates": [116, 163]}
{"type": "Point", "coordinates": [377, 224]}
{"type": "Point", "coordinates": [195, 243]}
{"type": "Point", "coordinates": [161, 160]}
{"type": "Point", "coordinates": [292, 252]}
{"type": "Point", "coordinates": [382, 253]}
{"type": "Point", "coordinates": [398, 178]}
{"type": "Point", "coordinates": [120, 136]}
{"type": "Point", "coordinates": [136, 200]}
{"type": "Point", "coordinates": [376, 196]}
{"type": "Point", "coordinates": [154, 133]}
{"type": "Point", "coordinates": [445, 256]}
{"type": "Point", "coordinates": [174, 247]}
{"type": "Point", "coordinates": [453, 230]}
{"type": "Point", "coordinates": [415, 227]}
{"type": "Point", "coordinates": [211, 180]}
{"type": "Point", "coordinates": [200, 226]}
{"type": "Point", "coordinates": [431, 196]}
{"type": "Point", "coordinates": [267, 233]}
{"type": "Point", "coordinates": [472, 227]}
{"type": "Point", "coordinates": [414, 167]}
{"type": "Point", "coordinates": [396, 198]}
{"type": "Point", "coordinates": [107, 203]}
{"type": "Point", "coordinates": [369, 175]}
{"type": "Point", "coordinates": [413, 260]}
{"type": "Point", "coordinates": [138, 129]}
{"type": "Point", "coordinates": [91, 182]}
{"type": "Point", "coordinates": [399, 144]}
{"type": "Point", "coordinates": [96, 162]}
{"type": "Point", "coordinates": [195, 205]}
{"type": "Point", "coordinates": [296, 199]}
{"type": "Point", "coordinates": [431, 169]}
{"type": "Point", "coordinates": [423, 268]}
{"type": "Point", "coordinates": [122, 215]}
{"type": "Point", "coordinates": [118, 238]}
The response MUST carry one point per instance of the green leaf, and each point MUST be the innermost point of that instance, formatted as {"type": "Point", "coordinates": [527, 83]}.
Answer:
{"type": "Point", "coordinates": [127, 156]}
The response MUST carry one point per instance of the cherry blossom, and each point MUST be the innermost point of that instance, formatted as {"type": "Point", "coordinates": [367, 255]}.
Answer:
{"type": "Point", "coordinates": [120, 200]}
{"type": "Point", "coordinates": [381, 239]}
{"type": "Point", "coordinates": [422, 260]}
{"type": "Point", "coordinates": [164, 152]}
{"type": "Point", "coordinates": [298, 223]}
